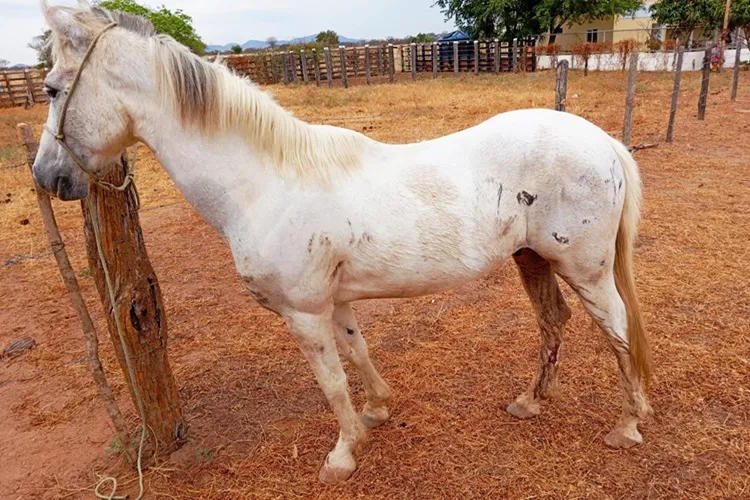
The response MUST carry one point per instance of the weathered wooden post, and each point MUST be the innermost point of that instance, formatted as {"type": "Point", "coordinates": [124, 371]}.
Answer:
{"type": "Point", "coordinates": [303, 65]}
{"type": "Point", "coordinates": [31, 98]}
{"type": "Point", "coordinates": [139, 306]}
{"type": "Point", "coordinates": [316, 67]}
{"type": "Point", "coordinates": [515, 54]}
{"type": "Point", "coordinates": [413, 60]}
{"type": "Point", "coordinates": [367, 65]}
{"type": "Point", "coordinates": [342, 55]}
{"type": "Point", "coordinates": [79, 304]}
{"type": "Point", "coordinates": [329, 65]}
{"type": "Point", "coordinates": [284, 68]}
{"type": "Point", "coordinates": [380, 61]}
{"type": "Point", "coordinates": [497, 55]}
{"type": "Point", "coordinates": [561, 86]}
{"type": "Point", "coordinates": [703, 99]}
{"type": "Point", "coordinates": [476, 57]}
{"type": "Point", "coordinates": [627, 127]}
{"type": "Point", "coordinates": [737, 61]}
{"type": "Point", "coordinates": [435, 60]}
{"type": "Point", "coordinates": [391, 63]}
{"type": "Point", "coordinates": [292, 67]}
{"type": "Point", "coordinates": [675, 94]}
{"type": "Point", "coordinates": [355, 61]}
{"type": "Point", "coordinates": [456, 62]}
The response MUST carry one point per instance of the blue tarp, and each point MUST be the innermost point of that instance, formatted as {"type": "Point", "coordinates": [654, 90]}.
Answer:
{"type": "Point", "coordinates": [456, 36]}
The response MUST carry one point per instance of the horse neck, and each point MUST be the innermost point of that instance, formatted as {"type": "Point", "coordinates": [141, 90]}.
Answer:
{"type": "Point", "coordinates": [212, 172]}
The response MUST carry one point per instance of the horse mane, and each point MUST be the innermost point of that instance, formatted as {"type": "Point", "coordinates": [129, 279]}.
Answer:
{"type": "Point", "coordinates": [213, 99]}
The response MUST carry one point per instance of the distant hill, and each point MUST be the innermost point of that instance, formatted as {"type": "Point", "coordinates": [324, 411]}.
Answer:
{"type": "Point", "coordinates": [259, 44]}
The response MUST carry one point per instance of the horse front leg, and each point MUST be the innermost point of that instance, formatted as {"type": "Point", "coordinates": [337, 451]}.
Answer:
{"type": "Point", "coordinates": [353, 347]}
{"type": "Point", "coordinates": [315, 335]}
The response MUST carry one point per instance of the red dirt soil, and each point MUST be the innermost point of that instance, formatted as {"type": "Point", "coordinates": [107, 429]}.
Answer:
{"type": "Point", "coordinates": [260, 427]}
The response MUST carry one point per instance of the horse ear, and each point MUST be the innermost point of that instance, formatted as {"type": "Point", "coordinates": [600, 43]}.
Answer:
{"type": "Point", "coordinates": [62, 22]}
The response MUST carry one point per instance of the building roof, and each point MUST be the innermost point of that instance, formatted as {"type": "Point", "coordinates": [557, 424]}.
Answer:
{"type": "Point", "coordinates": [457, 35]}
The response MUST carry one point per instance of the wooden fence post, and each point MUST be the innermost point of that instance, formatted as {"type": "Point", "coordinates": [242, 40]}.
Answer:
{"type": "Point", "coordinates": [342, 55]}
{"type": "Point", "coordinates": [456, 62]}
{"type": "Point", "coordinates": [627, 127]}
{"type": "Point", "coordinates": [391, 63]}
{"type": "Point", "coordinates": [316, 67]}
{"type": "Point", "coordinates": [79, 304]}
{"type": "Point", "coordinates": [515, 55]}
{"type": "Point", "coordinates": [476, 57]}
{"type": "Point", "coordinates": [31, 98]}
{"type": "Point", "coordinates": [284, 68]}
{"type": "Point", "coordinates": [703, 100]}
{"type": "Point", "coordinates": [380, 61]}
{"type": "Point", "coordinates": [292, 67]}
{"type": "Point", "coordinates": [139, 306]}
{"type": "Point", "coordinates": [7, 87]}
{"type": "Point", "coordinates": [737, 61]}
{"type": "Point", "coordinates": [303, 65]}
{"type": "Point", "coordinates": [329, 65]}
{"type": "Point", "coordinates": [561, 86]}
{"type": "Point", "coordinates": [367, 64]}
{"type": "Point", "coordinates": [413, 60]}
{"type": "Point", "coordinates": [435, 59]}
{"type": "Point", "coordinates": [497, 55]}
{"type": "Point", "coordinates": [675, 94]}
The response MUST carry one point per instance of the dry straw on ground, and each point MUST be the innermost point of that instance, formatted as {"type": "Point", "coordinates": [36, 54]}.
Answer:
{"type": "Point", "coordinates": [260, 427]}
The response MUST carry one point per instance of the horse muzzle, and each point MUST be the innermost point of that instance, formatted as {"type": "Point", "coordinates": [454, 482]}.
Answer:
{"type": "Point", "coordinates": [62, 186]}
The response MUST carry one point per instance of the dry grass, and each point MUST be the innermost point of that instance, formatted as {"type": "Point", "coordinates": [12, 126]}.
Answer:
{"type": "Point", "coordinates": [454, 360]}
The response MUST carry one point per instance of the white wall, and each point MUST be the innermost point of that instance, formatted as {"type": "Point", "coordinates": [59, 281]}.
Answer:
{"type": "Point", "coordinates": [651, 61]}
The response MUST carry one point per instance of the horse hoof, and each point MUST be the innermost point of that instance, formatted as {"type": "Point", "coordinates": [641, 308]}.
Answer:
{"type": "Point", "coordinates": [622, 439]}
{"type": "Point", "coordinates": [334, 474]}
{"type": "Point", "coordinates": [375, 418]}
{"type": "Point", "coordinates": [523, 411]}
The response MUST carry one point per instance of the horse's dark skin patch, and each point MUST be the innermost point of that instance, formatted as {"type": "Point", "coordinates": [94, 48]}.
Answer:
{"type": "Point", "coordinates": [350, 331]}
{"type": "Point", "coordinates": [499, 197]}
{"type": "Point", "coordinates": [310, 243]}
{"type": "Point", "coordinates": [602, 263]}
{"type": "Point", "coordinates": [586, 221]}
{"type": "Point", "coordinates": [561, 239]}
{"type": "Point", "coordinates": [526, 198]}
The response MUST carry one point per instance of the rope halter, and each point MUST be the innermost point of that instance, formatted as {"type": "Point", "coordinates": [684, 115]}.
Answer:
{"type": "Point", "coordinates": [60, 134]}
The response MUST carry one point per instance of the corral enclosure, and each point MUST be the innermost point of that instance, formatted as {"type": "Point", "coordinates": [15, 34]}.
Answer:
{"type": "Point", "coordinates": [259, 426]}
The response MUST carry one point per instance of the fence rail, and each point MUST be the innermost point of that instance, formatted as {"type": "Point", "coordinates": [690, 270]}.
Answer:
{"type": "Point", "coordinates": [22, 87]}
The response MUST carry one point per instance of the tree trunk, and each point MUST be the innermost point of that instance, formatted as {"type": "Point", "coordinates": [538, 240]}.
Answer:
{"type": "Point", "coordinates": [139, 308]}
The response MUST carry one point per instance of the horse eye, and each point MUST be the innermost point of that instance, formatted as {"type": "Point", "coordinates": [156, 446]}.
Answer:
{"type": "Point", "coordinates": [51, 92]}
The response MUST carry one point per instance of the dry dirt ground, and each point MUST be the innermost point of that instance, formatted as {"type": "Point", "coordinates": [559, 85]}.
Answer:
{"type": "Point", "coordinates": [259, 426]}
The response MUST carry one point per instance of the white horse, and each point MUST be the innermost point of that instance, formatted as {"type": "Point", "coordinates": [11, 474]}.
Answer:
{"type": "Point", "coordinates": [318, 217]}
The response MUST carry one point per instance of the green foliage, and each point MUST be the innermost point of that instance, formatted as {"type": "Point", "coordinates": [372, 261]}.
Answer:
{"type": "Point", "coordinates": [421, 38]}
{"type": "Point", "coordinates": [176, 24]}
{"type": "Point", "coordinates": [741, 17]}
{"type": "Point", "coordinates": [327, 38]}
{"type": "Point", "coordinates": [114, 448]}
{"type": "Point", "coordinates": [236, 49]}
{"type": "Point", "coordinates": [508, 19]}
{"type": "Point", "coordinates": [44, 51]}
{"type": "Point", "coordinates": [206, 456]}
{"type": "Point", "coordinates": [4, 63]}
{"type": "Point", "coordinates": [687, 15]}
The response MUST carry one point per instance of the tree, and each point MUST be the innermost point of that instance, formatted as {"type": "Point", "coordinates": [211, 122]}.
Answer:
{"type": "Point", "coordinates": [236, 49]}
{"type": "Point", "coordinates": [272, 42]}
{"type": "Point", "coordinates": [328, 38]}
{"type": "Point", "coordinates": [4, 63]}
{"type": "Point", "coordinates": [688, 15]}
{"type": "Point", "coordinates": [421, 38]}
{"type": "Point", "coordinates": [740, 17]}
{"type": "Point", "coordinates": [40, 43]}
{"type": "Point", "coordinates": [508, 19]}
{"type": "Point", "coordinates": [176, 24]}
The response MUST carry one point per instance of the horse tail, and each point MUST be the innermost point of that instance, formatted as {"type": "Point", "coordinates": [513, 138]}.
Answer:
{"type": "Point", "coordinates": [640, 353]}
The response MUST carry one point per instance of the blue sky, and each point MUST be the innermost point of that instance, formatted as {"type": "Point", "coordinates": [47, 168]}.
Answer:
{"type": "Point", "coordinates": [224, 21]}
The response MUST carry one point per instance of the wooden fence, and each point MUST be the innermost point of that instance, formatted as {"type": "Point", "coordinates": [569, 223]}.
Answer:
{"type": "Point", "coordinates": [469, 56]}
{"type": "Point", "coordinates": [22, 87]}
{"type": "Point", "coordinates": [382, 61]}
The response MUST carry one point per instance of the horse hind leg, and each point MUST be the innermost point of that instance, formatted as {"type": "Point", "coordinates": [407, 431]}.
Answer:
{"type": "Point", "coordinates": [601, 299]}
{"type": "Point", "coordinates": [552, 313]}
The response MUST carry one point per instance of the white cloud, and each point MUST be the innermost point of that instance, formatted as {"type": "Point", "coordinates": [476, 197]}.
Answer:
{"type": "Point", "coordinates": [225, 21]}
